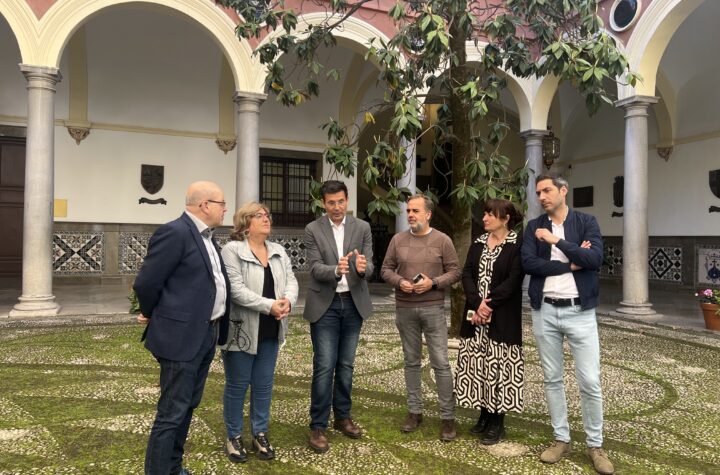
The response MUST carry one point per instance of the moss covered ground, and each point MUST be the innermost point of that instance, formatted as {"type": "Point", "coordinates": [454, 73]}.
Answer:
{"type": "Point", "coordinates": [81, 399]}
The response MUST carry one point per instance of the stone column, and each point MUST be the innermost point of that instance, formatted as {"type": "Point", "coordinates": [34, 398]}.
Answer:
{"type": "Point", "coordinates": [533, 157]}
{"type": "Point", "coordinates": [37, 299]}
{"type": "Point", "coordinates": [247, 178]}
{"type": "Point", "coordinates": [406, 181]}
{"type": "Point", "coordinates": [636, 296]}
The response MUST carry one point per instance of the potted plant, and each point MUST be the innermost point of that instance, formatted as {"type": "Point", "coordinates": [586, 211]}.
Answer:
{"type": "Point", "coordinates": [134, 303]}
{"type": "Point", "coordinates": [710, 304]}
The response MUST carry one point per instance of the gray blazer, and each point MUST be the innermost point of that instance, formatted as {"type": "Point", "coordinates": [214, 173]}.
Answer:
{"type": "Point", "coordinates": [322, 259]}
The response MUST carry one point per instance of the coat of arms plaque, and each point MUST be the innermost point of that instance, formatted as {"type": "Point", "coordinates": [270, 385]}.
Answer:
{"type": "Point", "coordinates": [152, 178]}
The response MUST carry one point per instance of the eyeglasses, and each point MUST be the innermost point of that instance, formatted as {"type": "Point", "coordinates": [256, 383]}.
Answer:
{"type": "Point", "coordinates": [262, 215]}
{"type": "Point", "coordinates": [222, 203]}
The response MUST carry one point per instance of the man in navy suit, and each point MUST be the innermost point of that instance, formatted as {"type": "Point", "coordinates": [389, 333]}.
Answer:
{"type": "Point", "coordinates": [562, 252]}
{"type": "Point", "coordinates": [183, 289]}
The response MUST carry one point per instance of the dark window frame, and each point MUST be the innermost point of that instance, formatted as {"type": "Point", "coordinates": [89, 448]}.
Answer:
{"type": "Point", "coordinates": [286, 218]}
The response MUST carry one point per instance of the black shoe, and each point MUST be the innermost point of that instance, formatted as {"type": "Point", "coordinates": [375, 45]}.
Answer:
{"type": "Point", "coordinates": [261, 445]}
{"type": "Point", "coordinates": [236, 450]}
{"type": "Point", "coordinates": [495, 430]}
{"type": "Point", "coordinates": [482, 423]}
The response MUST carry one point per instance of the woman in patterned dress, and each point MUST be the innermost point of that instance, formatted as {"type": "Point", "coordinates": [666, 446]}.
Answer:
{"type": "Point", "coordinates": [490, 364]}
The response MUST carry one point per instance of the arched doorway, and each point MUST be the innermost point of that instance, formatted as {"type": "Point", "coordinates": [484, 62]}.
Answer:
{"type": "Point", "coordinates": [12, 154]}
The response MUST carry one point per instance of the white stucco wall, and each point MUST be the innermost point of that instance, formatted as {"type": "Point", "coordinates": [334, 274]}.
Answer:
{"type": "Point", "coordinates": [299, 126]}
{"type": "Point", "coordinates": [163, 75]}
{"type": "Point", "coordinates": [13, 98]}
{"type": "Point", "coordinates": [678, 191]}
{"type": "Point", "coordinates": [100, 179]}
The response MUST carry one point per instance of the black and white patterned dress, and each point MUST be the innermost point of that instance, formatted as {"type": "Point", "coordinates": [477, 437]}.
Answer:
{"type": "Point", "coordinates": [489, 373]}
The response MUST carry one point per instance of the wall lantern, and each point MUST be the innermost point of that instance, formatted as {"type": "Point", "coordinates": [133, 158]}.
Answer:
{"type": "Point", "coordinates": [550, 148]}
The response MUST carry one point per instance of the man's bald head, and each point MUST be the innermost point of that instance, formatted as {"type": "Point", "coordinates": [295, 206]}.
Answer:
{"type": "Point", "coordinates": [205, 199]}
{"type": "Point", "coordinates": [200, 191]}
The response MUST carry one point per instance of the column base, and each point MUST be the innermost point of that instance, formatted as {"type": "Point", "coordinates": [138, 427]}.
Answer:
{"type": "Point", "coordinates": [629, 308]}
{"type": "Point", "coordinates": [35, 307]}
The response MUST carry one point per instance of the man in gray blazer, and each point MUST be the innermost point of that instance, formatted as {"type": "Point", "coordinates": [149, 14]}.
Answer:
{"type": "Point", "coordinates": [339, 252]}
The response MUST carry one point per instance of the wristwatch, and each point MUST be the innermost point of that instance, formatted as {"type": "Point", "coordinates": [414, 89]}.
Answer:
{"type": "Point", "coordinates": [434, 286]}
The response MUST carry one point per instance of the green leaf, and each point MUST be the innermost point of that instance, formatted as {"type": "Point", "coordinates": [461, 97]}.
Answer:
{"type": "Point", "coordinates": [396, 12]}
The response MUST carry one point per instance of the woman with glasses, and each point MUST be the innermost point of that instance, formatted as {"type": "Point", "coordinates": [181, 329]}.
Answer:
{"type": "Point", "coordinates": [490, 363]}
{"type": "Point", "coordinates": [264, 290]}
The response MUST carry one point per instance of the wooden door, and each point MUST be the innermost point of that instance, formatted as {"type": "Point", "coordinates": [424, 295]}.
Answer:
{"type": "Point", "coordinates": [12, 190]}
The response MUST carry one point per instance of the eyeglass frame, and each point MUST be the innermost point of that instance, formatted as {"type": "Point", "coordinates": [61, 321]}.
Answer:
{"type": "Point", "coordinates": [261, 215]}
{"type": "Point", "coordinates": [223, 203]}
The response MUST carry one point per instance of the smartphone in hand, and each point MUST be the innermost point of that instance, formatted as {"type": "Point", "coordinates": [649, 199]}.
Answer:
{"type": "Point", "coordinates": [417, 278]}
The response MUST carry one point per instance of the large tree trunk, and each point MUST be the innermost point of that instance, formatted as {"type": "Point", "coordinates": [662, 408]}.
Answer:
{"type": "Point", "coordinates": [461, 150]}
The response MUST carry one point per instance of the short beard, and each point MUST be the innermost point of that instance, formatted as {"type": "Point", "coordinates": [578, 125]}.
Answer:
{"type": "Point", "coordinates": [418, 228]}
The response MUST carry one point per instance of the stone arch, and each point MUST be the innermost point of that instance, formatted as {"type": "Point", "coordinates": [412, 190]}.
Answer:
{"type": "Point", "coordinates": [542, 99]}
{"type": "Point", "coordinates": [355, 34]}
{"type": "Point", "coordinates": [649, 39]}
{"type": "Point", "coordinates": [23, 24]}
{"type": "Point", "coordinates": [520, 88]}
{"type": "Point", "coordinates": [666, 111]}
{"type": "Point", "coordinates": [545, 89]}
{"type": "Point", "coordinates": [64, 18]}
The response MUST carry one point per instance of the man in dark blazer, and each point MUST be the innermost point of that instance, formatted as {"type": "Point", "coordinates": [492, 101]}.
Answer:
{"type": "Point", "coordinates": [183, 290]}
{"type": "Point", "coordinates": [562, 252]}
{"type": "Point", "coordinates": [339, 252]}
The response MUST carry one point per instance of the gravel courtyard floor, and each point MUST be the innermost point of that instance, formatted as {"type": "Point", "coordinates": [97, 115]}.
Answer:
{"type": "Point", "coordinates": [80, 399]}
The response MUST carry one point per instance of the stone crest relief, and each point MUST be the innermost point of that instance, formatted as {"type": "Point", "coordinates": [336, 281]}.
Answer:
{"type": "Point", "coordinates": [152, 178]}
{"type": "Point", "coordinates": [714, 179]}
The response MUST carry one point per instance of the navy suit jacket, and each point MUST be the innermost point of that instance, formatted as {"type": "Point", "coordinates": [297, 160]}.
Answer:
{"type": "Point", "coordinates": [536, 261]}
{"type": "Point", "coordinates": [176, 290]}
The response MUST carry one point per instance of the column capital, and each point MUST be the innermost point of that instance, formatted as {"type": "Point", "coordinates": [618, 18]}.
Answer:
{"type": "Point", "coordinates": [241, 97]}
{"type": "Point", "coordinates": [635, 101]}
{"type": "Point", "coordinates": [533, 136]}
{"type": "Point", "coordinates": [43, 73]}
{"type": "Point", "coordinates": [533, 133]}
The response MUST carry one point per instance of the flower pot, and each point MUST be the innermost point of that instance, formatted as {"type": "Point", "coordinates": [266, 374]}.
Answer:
{"type": "Point", "coordinates": [712, 319]}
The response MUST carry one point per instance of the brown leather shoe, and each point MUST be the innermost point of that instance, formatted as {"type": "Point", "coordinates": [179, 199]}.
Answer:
{"type": "Point", "coordinates": [347, 427]}
{"type": "Point", "coordinates": [411, 422]}
{"type": "Point", "coordinates": [447, 430]}
{"type": "Point", "coordinates": [318, 442]}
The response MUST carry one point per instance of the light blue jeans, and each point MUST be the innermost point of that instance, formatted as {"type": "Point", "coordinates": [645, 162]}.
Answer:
{"type": "Point", "coordinates": [550, 325]}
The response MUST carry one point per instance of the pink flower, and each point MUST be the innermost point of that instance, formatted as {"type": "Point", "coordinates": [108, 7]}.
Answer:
{"type": "Point", "coordinates": [708, 296]}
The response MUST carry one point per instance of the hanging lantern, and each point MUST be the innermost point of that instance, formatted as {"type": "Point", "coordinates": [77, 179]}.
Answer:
{"type": "Point", "coordinates": [550, 148]}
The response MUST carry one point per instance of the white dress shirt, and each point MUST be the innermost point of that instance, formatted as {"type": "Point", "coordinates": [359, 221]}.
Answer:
{"type": "Point", "coordinates": [221, 290]}
{"type": "Point", "coordinates": [339, 234]}
{"type": "Point", "coordinates": [560, 286]}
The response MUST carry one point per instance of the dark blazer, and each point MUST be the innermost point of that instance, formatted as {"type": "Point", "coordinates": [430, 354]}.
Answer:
{"type": "Point", "coordinates": [322, 256]}
{"type": "Point", "coordinates": [505, 292]}
{"type": "Point", "coordinates": [176, 290]}
{"type": "Point", "coordinates": [579, 227]}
